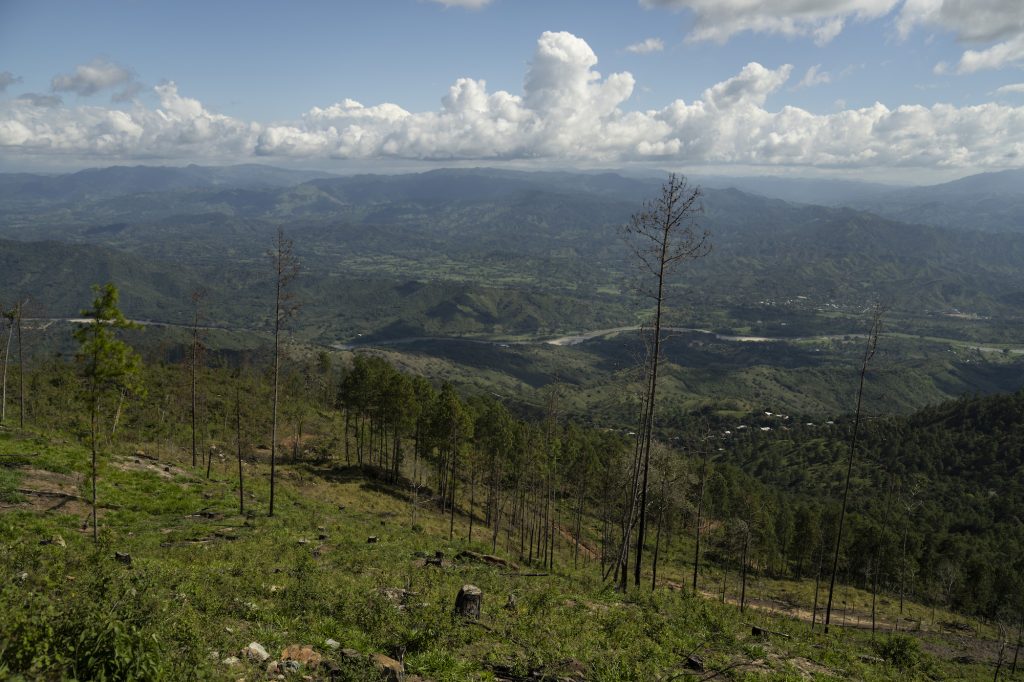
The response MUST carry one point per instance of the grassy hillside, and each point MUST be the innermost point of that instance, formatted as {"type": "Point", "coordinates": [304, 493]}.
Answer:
{"type": "Point", "coordinates": [204, 581]}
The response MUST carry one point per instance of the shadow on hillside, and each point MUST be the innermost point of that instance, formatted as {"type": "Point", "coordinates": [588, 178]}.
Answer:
{"type": "Point", "coordinates": [371, 478]}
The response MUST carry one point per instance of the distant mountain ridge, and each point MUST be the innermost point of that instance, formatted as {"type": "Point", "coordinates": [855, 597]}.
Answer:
{"type": "Point", "coordinates": [121, 180]}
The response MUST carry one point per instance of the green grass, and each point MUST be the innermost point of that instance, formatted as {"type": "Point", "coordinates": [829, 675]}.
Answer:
{"type": "Point", "coordinates": [200, 584]}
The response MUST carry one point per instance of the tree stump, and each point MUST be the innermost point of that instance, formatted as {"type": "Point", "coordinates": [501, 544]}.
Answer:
{"type": "Point", "coordinates": [469, 601]}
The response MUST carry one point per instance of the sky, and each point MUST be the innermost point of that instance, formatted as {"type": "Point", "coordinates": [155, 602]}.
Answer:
{"type": "Point", "coordinates": [875, 89]}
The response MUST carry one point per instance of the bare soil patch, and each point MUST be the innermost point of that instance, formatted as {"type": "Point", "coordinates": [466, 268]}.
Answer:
{"type": "Point", "coordinates": [163, 470]}
{"type": "Point", "coordinates": [47, 491]}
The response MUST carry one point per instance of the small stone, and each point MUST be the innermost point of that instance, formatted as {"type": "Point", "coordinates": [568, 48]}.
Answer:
{"type": "Point", "coordinates": [304, 655]}
{"type": "Point", "coordinates": [303, 541]}
{"type": "Point", "coordinates": [231, 660]}
{"type": "Point", "coordinates": [332, 644]}
{"type": "Point", "coordinates": [371, 540]}
{"type": "Point", "coordinates": [511, 604]}
{"type": "Point", "coordinates": [273, 668]}
{"type": "Point", "coordinates": [124, 558]}
{"type": "Point", "coordinates": [214, 655]}
{"type": "Point", "coordinates": [290, 666]}
{"type": "Point", "coordinates": [256, 652]}
{"type": "Point", "coordinates": [350, 654]}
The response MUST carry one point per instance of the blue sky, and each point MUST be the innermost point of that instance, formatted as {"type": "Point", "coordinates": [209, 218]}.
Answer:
{"type": "Point", "coordinates": [854, 87]}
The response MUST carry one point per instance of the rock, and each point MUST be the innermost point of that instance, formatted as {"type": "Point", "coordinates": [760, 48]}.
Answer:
{"type": "Point", "coordinates": [256, 652]}
{"type": "Point", "coordinates": [323, 537]}
{"type": "Point", "coordinates": [469, 601]}
{"type": "Point", "coordinates": [304, 655]}
{"type": "Point", "coordinates": [214, 655]}
{"type": "Point", "coordinates": [291, 666]}
{"type": "Point", "coordinates": [124, 558]}
{"type": "Point", "coordinates": [273, 668]}
{"type": "Point", "coordinates": [389, 669]}
{"type": "Point", "coordinates": [695, 662]}
{"type": "Point", "coordinates": [55, 540]}
{"type": "Point", "coordinates": [332, 644]}
{"type": "Point", "coordinates": [511, 604]}
{"type": "Point", "coordinates": [397, 595]}
{"type": "Point", "coordinates": [231, 660]}
{"type": "Point", "coordinates": [371, 540]}
{"type": "Point", "coordinates": [351, 654]}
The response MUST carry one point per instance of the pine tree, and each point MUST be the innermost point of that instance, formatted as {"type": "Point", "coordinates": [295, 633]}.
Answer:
{"type": "Point", "coordinates": [108, 364]}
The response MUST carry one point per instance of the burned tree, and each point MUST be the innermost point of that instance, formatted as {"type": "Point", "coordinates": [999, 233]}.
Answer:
{"type": "Point", "coordinates": [869, 352]}
{"type": "Point", "coordinates": [662, 235]}
{"type": "Point", "coordinates": [286, 269]}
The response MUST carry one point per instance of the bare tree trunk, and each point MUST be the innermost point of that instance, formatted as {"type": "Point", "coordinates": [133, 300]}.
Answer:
{"type": "Point", "coordinates": [238, 445]}
{"type": "Point", "coordinates": [700, 507]}
{"type": "Point", "coordinates": [472, 500]}
{"type": "Point", "coordinates": [117, 412]}
{"type": "Point", "coordinates": [579, 522]}
{"type": "Point", "coordinates": [21, 366]}
{"type": "Point", "coordinates": [665, 232]}
{"type": "Point", "coordinates": [94, 417]}
{"type": "Point", "coordinates": [7, 356]}
{"type": "Point", "coordinates": [451, 521]}
{"type": "Point", "coordinates": [657, 541]}
{"type": "Point", "coordinates": [195, 359]}
{"type": "Point", "coordinates": [286, 269]}
{"type": "Point", "coordinates": [743, 578]}
{"type": "Point", "coordinates": [817, 585]}
{"type": "Point", "coordinates": [1016, 649]}
{"type": "Point", "coordinates": [869, 352]}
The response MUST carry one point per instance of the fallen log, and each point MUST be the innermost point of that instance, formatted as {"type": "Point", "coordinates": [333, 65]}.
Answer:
{"type": "Point", "coordinates": [486, 559]}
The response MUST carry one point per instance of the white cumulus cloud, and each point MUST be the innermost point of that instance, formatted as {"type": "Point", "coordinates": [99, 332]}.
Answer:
{"type": "Point", "coordinates": [1013, 88]}
{"type": "Point", "coordinates": [822, 20]}
{"type": "Point", "coordinates": [88, 79]}
{"type": "Point", "coordinates": [566, 111]}
{"type": "Point", "coordinates": [814, 76]}
{"type": "Point", "coordinates": [996, 27]}
{"type": "Point", "coordinates": [647, 46]}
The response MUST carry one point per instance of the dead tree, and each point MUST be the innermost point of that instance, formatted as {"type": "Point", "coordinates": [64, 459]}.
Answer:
{"type": "Point", "coordinates": [662, 235]}
{"type": "Point", "coordinates": [869, 353]}
{"type": "Point", "coordinates": [700, 506]}
{"type": "Point", "coordinates": [197, 297]}
{"type": "Point", "coordinates": [9, 316]}
{"type": "Point", "coordinates": [19, 310]}
{"type": "Point", "coordinates": [286, 269]}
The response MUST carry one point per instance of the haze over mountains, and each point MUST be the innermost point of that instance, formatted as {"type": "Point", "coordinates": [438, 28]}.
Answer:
{"type": "Point", "coordinates": [510, 254]}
